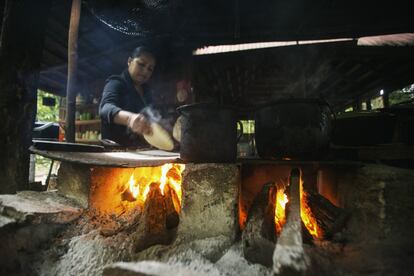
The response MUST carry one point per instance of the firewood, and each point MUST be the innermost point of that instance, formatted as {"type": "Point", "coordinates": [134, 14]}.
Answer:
{"type": "Point", "coordinates": [289, 257]}
{"type": "Point", "coordinates": [330, 218]}
{"type": "Point", "coordinates": [172, 216]}
{"type": "Point", "coordinates": [259, 235]}
{"type": "Point", "coordinates": [114, 226]}
{"type": "Point", "coordinates": [152, 229]}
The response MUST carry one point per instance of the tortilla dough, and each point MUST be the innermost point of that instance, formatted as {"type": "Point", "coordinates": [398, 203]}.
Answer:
{"type": "Point", "coordinates": [159, 138]}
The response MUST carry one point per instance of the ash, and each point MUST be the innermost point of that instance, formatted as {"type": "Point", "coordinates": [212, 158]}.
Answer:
{"type": "Point", "coordinates": [78, 253]}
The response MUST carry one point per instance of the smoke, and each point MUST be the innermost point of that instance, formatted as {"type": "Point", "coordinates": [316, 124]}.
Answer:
{"type": "Point", "coordinates": [303, 74]}
{"type": "Point", "coordinates": [154, 115]}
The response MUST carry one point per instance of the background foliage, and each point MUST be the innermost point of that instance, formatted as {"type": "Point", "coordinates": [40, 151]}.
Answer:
{"type": "Point", "coordinates": [47, 113]}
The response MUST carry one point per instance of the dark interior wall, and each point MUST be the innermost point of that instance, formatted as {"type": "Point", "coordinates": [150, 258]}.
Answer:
{"type": "Point", "coordinates": [20, 55]}
{"type": "Point", "coordinates": [1, 13]}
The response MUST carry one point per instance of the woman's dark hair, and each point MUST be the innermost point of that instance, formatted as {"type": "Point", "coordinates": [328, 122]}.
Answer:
{"type": "Point", "coordinates": [142, 50]}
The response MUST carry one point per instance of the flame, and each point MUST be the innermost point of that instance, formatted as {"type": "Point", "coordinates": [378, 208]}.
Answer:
{"type": "Point", "coordinates": [133, 187]}
{"type": "Point", "coordinates": [163, 179]}
{"type": "Point", "coordinates": [306, 214]}
{"type": "Point", "coordinates": [280, 215]}
{"type": "Point", "coordinates": [168, 174]}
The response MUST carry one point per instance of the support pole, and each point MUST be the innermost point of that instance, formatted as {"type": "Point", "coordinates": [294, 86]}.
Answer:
{"type": "Point", "coordinates": [72, 71]}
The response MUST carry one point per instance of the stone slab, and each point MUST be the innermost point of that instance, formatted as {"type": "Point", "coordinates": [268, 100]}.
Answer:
{"type": "Point", "coordinates": [39, 207]}
{"type": "Point", "coordinates": [146, 268]}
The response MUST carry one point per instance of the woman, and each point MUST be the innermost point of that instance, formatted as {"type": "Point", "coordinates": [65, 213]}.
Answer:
{"type": "Point", "coordinates": [124, 96]}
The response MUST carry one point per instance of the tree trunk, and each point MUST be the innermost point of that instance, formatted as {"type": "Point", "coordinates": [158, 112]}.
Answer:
{"type": "Point", "coordinates": [21, 43]}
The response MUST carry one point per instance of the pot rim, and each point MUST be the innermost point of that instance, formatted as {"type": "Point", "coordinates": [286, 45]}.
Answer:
{"type": "Point", "coordinates": [295, 100]}
{"type": "Point", "coordinates": [206, 105]}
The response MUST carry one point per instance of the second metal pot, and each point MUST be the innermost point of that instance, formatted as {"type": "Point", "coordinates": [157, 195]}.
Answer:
{"type": "Point", "coordinates": [294, 128]}
{"type": "Point", "coordinates": [208, 133]}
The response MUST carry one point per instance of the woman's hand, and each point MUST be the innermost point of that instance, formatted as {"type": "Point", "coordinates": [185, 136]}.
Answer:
{"type": "Point", "coordinates": [139, 124]}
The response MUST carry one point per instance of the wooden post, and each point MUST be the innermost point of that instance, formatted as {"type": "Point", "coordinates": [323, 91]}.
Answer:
{"type": "Point", "coordinates": [72, 71]}
{"type": "Point", "coordinates": [21, 43]}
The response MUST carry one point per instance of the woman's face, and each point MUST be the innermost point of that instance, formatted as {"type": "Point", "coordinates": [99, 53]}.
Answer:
{"type": "Point", "coordinates": [140, 68]}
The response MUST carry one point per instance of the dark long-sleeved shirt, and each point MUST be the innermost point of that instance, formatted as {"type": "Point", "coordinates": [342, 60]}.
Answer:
{"type": "Point", "coordinates": [119, 94]}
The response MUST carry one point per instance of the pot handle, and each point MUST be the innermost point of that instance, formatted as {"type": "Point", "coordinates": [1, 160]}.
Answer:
{"type": "Point", "coordinates": [241, 131]}
{"type": "Point", "coordinates": [333, 115]}
{"type": "Point", "coordinates": [331, 110]}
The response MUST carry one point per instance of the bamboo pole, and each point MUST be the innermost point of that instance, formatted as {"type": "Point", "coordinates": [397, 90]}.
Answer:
{"type": "Point", "coordinates": [72, 71]}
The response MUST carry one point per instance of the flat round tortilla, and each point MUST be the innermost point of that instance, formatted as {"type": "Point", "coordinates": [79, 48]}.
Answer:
{"type": "Point", "coordinates": [177, 129]}
{"type": "Point", "coordinates": [159, 138]}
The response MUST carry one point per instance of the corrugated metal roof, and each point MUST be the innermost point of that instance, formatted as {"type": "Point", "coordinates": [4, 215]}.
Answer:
{"type": "Point", "coordinates": [392, 40]}
{"type": "Point", "coordinates": [260, 45]}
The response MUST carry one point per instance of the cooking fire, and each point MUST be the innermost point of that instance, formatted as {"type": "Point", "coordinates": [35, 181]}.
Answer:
{"type": "Point", "coordinates": [141, 179]}
{"type": "Point", "coordinates": [305, 212]}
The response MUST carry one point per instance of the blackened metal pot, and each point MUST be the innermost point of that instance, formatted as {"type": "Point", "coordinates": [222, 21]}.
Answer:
{"type": "Point", "coordinates": [208, 133]}
{"type": "Point", "coordinates": [293, 128]}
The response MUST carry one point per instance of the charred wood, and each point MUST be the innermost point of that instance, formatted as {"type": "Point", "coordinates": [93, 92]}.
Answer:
{"type": "Point", "coordinates": [152, 228]}
{"type": "Point", "coordinates": [259, 234]}
{"type": "Point", "coordinates": [172, 206]}
{"type": "Point", "coordinates": [330, 218]}
{"type": "Point", "coordinates": [112, 226]}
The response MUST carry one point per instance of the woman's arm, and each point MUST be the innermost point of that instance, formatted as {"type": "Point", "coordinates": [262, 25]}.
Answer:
{"type": "Point", "coordinates": [135, 121]}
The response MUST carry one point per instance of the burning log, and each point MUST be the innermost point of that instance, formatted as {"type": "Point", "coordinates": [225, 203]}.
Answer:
{"type": "Point", "coordinates": [151, 228]}
{"type": "Point", "coordinates": [172, 206]}
{"type": "Point", "coordinates": [289, 256]}
{"type": "Point", "coordinates": [112, 225]}
{"type": "Point", "coordinates": [330, 218]}
{"type": "Point", "coordinates": [259, 235]}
